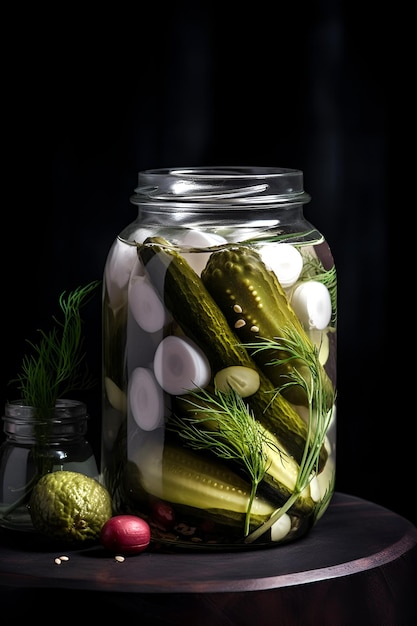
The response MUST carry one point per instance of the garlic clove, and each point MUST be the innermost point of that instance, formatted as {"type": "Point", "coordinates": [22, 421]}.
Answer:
{"type": "Point", "coordinates": [312, 304]}
{"type": "Point", "coordinates": [244, 380]}
{"type": "Point", "coordinates": [198, 239]}
{"type": "Point", "coordinates": [146, 305]}
{"type": "Point", "coordinates": [119, 265]}
{"type": "Point", "coordinates": [285, 261]}
{"type": "Point", "coordinates": [180, 366]}
{"type": "Point", "coordinates": [146, 399]}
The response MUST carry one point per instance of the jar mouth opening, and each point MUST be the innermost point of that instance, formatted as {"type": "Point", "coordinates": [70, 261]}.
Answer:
{"type": "Point", "coordinates": [64, 409]}
{"type": "Point", "coordinates": [220, 186]}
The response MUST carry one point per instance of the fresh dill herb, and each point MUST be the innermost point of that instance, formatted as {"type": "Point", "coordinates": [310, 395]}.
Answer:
{"type": "Point", "coordinates": [54, 368]}
{"type": "Point", "coordinates": [225, 426]}
{"type": "Point", "coordinates": [277, 236]}
{"type": "Point", "coordinates": [319, 417]}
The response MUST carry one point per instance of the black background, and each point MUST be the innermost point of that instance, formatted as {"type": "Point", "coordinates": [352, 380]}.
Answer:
{"type": "Point", "coordinates": [89, 100]}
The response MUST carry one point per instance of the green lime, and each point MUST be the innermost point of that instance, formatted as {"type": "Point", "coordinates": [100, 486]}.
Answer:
{"type": "Point", "coordinates": [69, 506]}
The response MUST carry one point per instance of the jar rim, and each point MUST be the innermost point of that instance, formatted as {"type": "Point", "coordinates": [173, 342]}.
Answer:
{"type": "Point", "coordinates": [64, 408]}
{"type": "Point", "coordinates": [220, 186]}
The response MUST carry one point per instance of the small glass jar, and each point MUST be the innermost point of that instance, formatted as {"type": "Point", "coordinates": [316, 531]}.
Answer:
{"type": "Point", "coordinates": [35, 446]}
{"type": "Point", "coordinates": [219, 360]}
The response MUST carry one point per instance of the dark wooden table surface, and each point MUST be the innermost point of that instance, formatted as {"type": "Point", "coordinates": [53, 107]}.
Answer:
{"type": "Point", "coordinates": [357, 566]}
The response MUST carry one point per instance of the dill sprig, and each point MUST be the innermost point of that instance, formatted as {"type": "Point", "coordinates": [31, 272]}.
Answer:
{"type": "Point", "coordinates": [319, 417]}
{"type": "Point", "coordinates": [226, 427]}
{"type": "Point", "coordinates": [54, 368]}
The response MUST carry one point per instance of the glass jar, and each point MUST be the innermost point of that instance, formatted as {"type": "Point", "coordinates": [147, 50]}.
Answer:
{"type": "Point", "coordinates": [219, 360]}
{"type": "Point", "coordinates": [35, 446]}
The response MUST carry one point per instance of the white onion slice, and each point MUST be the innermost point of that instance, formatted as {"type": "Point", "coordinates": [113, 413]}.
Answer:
{"type": "Point", "coordinates": [285, 261]}
{"type": "Point", "coordinates": [180, 366]}
{"type": "Point", "coordinates": [146, 399]}
{"type": "Point", "coordinates": [312, 304]}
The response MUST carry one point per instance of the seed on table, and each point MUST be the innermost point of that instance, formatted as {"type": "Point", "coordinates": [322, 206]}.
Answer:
{"type": "Point", "coordinates": [119, 559]}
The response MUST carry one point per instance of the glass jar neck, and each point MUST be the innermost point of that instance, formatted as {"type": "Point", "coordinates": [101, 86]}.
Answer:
{"type": "Point", "coordinates": [68, 422]}
{"type": "Point", "coordinates": [220, 187]}
{"type": "Point", "coordinates": [250, 203]}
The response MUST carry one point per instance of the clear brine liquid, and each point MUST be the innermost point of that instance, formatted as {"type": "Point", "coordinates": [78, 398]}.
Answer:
{"type": "Point", "coordinates": [205, 433]}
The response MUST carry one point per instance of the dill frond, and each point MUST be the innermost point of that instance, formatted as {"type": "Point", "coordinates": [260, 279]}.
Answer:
{"type": "Point", "coordinates": [54, 367]}
{"type": "Point", "coordinates": [225, 426]}
{"type": "Point", "coordinates": [318, 420]}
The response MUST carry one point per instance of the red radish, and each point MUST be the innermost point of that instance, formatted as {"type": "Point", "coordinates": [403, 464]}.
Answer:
{"type": "Point", "coordinates": [125, 534]}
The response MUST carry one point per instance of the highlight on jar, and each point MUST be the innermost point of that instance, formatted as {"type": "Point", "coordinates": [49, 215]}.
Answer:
{"type": "Point", "coordinates": [220, 378]}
